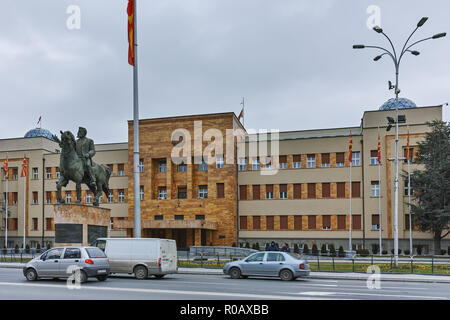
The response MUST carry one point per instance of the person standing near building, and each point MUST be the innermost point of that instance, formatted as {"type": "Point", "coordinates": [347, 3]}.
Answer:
{"type": "Point", "coordinates": [273, 246]}
{"type": "Point", "coordinates": [285, 248]}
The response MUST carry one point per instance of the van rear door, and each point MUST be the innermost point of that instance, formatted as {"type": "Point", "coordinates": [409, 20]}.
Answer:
{"type": "Point", "coordinates": [119, 253]}
{"type": "Point", "coordinates": [168, 256]}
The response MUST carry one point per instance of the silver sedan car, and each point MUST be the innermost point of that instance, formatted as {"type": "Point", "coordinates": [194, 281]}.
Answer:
{"type": "Point", "coordinates": [286, 265]}
{"type": "Point", "coordinates": [83, 262]}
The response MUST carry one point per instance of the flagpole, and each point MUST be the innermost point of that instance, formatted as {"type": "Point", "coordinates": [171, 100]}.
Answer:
{"type": "Point", "coordinates": [6, 205]}
{"type": "Point", "coordinates": [137, 202]}
{"type": "Point", "coordinates": [350, 225]}
{"type": "Point", "coordinates": [409, 201]}
{"type": "Point", "coordinates": [243, 112]}
{"type": "Point", "coordinates": [380, 222]}
{"type": "Point", "coordinates": [24, 205]}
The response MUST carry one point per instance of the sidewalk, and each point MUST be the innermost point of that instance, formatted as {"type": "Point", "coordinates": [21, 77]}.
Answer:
{"type": "Point", "coordinates": [313, 275]}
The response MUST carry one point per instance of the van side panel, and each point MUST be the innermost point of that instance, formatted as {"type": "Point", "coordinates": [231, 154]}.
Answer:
{"type": "Point", "coordinates": [119, 254]}
{"type": "Point", "coordinates": [168, 256]}
{"type": "Point", "coordinates": [145, 252]}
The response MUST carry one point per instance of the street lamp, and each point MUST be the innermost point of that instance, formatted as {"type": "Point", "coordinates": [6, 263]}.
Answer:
{"type": "Point", "coordinates": [397, 59]}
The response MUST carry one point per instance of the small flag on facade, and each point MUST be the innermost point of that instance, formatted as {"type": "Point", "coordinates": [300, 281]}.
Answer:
{"type": "Point", "coordinates": [241, 115]}
{"type": "Point", "coordinates": [379, 149]}
{"type": "Point", "coordinates": [130, 12]}
{"type": "Point", "coordinates": [350, 148]}
{"type": "Point", "coordinates": [24, 167]}
{"type": "Point", "coordinates": [5, 167]}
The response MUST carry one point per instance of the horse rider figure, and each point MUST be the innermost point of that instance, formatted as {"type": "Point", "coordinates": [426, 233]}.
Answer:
{"type": "Point", "coordinates": [85, 150]}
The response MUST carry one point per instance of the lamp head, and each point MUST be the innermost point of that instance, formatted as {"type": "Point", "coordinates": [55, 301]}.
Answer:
{"type": "Point", "coordinates": [358, 46]}
{"type": "Point", "coordinates": [378, 29]}
{"type": "Point", "coordinates": [422, 21]}
{"type": "Point", "coordinates": [377, 58]}
{"type": "Point", "coordinates": [414, 52]}
{"type": "Point", "coordinates": [439, 35]}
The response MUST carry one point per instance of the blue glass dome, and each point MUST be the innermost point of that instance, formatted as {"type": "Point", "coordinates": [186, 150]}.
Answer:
{"type": "Point", "coordinates": [403, 103]}
{"type": "Point", "coordinates": [39, 132]}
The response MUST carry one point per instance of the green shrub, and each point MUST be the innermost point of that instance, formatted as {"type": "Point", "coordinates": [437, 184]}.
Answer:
{"type": "Point", "coordinates": [234, 244]}
{"type": "Point", "coordinates": [247, 245]}
{"type": "Point", "coordinates": [323, 249]}
{"type": "Point", "coordinates": [341, 252]}
{"type": "Point", "coordinates": [407, 252]}
{"type": "Point", "coordinates": [376, 249]}
{"type": "Point", "coordinates": [48, 246]}
{"type": "Point", "coordinates": [443, 251]}
{"type": "Point", "coordinates": [27, 248]}
{"type": "Point", "coordinates": [332, 250]}
{"type": "Point", "coordinates": [363, 252]}
{"type": "Point", "coordinates": [4, 250]}
{"type": "Point", "coordinates": [448, 250]}
{"type": "Point", "coordinates": [296, 248]}
{"type": "Point", "coordinates": [314, 249]}
{"type": "Point", "coordinates": [257, 246]}
{"type": "Point", "coordinates": [38, 247]}
{"type": "Point", "coordinates": [267, 247]}
{"type": "Point", "coordinates": [384, 252]}
{"type": "Point", "coordinates": [305, 249]}
{"type": "Point", "coordinates": [419, 250]}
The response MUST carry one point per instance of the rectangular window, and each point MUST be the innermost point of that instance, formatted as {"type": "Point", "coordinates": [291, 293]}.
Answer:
{"type": "Point", "coordinates": [120, 169]}
{"type": "Point", "coordinates": [111, 167]}
{"type": "Point", "coordinates": [220, 190]}
{"type": "Point", "coordinates": [15, 173]}
{"type": "Point", "coordinates": [12, 224]}
{"type": "Point", "coordinates": [162, 166]}
{"type": "Point", "coordinates": [35, 173]}
{"type": "Point", "coordinates": [162, 193]}
{"type": "Point", "coordinates": [341, 189]}
{"type": "Point", "coordinates": [49, 224]}
{"type": "Point", "coordinates": [341, 222]}
{"type": "Point", "coordinates": [203, 166]}
{"type": "Point", "coordinates": [182, 192]}
{"type": "Point", "coordinates": [407, 222]}
{"type": "Point", "coordinates": [356, 158]}
{"type": "Point", "coordinates": [48, 173]}
{"type": "Point", "coordinates": [58, 174]}
{"type": "Point", "coordinates": [68, 197]}
{"type": "Point", "coordinates": [199, 217]}
{"type": "Point", "coordinates": [283, 191]}
{"type": "Point", "coordinates": [311, 190]}
{"type": "Point", "coordinates": [243, 192]}
{"type": "Point", "coordinates": [325, 160]}
{"type": "Point", "coordinates": [283, 222]}
{"type": "Point", "coordinates": [411, 155]}
{"type": "Point", "coordinates": [182, 167]}
{"type": "Point", "coordinates": [15, 197]}
{"type": "Point", "coordinates": [375, 189]}
{"type": "Point", "coordinates": [256, 222]}
{"type": "Point", "coordinates": [269, 191]}
{"type": "Point", "coordinates": [326, 190]}
{"type": "Point", "coordinates": [297, 191]}
{"type": "Point", "coordinates": [326, 222]}
{"type": "Point", "coordinates": [219, 162]}
{"type": "Point", "coordinates": [297, 163]}
{"type": "Point", "coordinates": [242, 164]}
{"type": "Point", "coordinates": [35, 197]}
{"type": "Point", "coordinates": [256, 192]}
{"type": "Point", "coordinates": [121, 196]}
{"type": "Point", "coordinates": [356, 222]}
{"type": "Point", "coordinates": [269, 163]}
{"type": "Point", "coordinates": [340, 159]}
{"type": "Point", "coordinates": [311, 161]}
{"type": "Point", "coordinates": [269, 222]}
{"type": "Point", "coordinates": [311, 222]}
{"type": "Point", "coordinates": [356, 189]}
{"type": "Point", "coordinates": [111, 197]}
{"type": "Point", "coordinates": [255, 164]}
{"type": "Point", "coordinates": [406, 189]}
{"type": "Point", "coordinates": [141, 193]}
{"type": "Point", "coordinates": [179, 217]}
{"type": "Point", "coordinates": [375, 222]}
{"type": "Point", "coordinates": [159, 217]}
{"type": "Point", "coordinates": [35, 224]}
{"type": "Point", "coordinates": [283, 162]}
{"type": "Point", "coordinates": [297, 222]}
{"type": "Point", "coordinates": [203, 192]}
{"type": "Point", "coordinates": [243, 223]}
{"type": "Point", "coordinates": [88, 197]}
{"type": "Point", "coordinates": [374, 157]}
{"type": "Point", "coordinates": [141, 165]}
{"type": "Point", "coordinates": [48, 197]}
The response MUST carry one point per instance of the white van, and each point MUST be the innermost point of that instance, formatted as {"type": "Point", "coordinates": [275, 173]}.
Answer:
{"type": "Point", "coordinates": [142, 256]}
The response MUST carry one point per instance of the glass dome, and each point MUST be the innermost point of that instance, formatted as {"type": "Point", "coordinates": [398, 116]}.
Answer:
{"type": "Point", "coordinates": [39, 132]}
{"type": "Point", "coordinates": [403, 103]}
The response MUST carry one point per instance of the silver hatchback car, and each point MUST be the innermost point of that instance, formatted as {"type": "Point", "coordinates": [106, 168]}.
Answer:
{"type": "Point", "coordinates": [62, 262]}
{"type": "Point", "coordinates": [287, 266]}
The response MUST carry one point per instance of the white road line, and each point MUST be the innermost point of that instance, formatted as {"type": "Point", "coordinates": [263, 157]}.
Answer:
{"type": "Point", "coordinates": [380, 295]}
{"type": "Point", "coordinates": [181, 292]}
{"type": "Point", "coordinates": [360, 287]}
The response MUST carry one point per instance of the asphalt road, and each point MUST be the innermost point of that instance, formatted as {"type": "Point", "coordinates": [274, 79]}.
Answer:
{"type": "Point", "coordinates": [13, 285]}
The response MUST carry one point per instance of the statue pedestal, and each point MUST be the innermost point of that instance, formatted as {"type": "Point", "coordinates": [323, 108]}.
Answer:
{"type": "Point", "coordinates": [80, 225]}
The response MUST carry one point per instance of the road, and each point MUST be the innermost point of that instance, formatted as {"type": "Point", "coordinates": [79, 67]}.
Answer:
{"type": "Point", "coordinates": [211, 287]}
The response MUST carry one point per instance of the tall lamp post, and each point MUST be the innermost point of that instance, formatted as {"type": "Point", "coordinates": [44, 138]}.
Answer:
{"type": "Point", "coordinates": [397, 59]}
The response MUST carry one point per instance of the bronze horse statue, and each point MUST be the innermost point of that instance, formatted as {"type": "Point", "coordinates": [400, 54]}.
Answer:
{"type": "Point", "coordinates": [72, 168]}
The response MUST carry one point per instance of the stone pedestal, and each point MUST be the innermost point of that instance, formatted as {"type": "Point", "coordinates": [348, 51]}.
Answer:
{"type": "Point", "coordinates": [80, 225]}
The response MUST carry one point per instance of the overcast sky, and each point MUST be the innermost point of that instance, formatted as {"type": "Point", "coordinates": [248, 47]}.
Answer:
{"type": "Point", "coordinates": [292, 60]}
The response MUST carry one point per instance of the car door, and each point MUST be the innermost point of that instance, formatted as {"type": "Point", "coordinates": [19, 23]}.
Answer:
{"type": "Point", "coordinates": [71, 259]}
{"type": "Point", "coordinates": [274, 263]}
{"type": "Point", "coordinates": [49, 267]}
{"type": "Point", "coordinates": [254, 264]}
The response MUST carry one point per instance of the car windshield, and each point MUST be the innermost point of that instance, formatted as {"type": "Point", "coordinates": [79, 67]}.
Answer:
{"type": "Point", "coordinates": [295, 255]}
{"type": "Point", "coordinates": [95, 253]}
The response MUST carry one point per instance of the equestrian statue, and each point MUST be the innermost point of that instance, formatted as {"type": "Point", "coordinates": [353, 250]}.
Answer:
{"type": "Point", "coordinates": [76, 165]}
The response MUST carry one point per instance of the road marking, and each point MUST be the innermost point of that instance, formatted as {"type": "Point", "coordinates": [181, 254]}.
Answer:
{"type": "Point", "coordinates": [181, 292]}
{"type": "Point", "coordinates": [342, 286]}
{"type": "Point", "coordinates": [378, 294]}
{"type": "Point", "coordinates": [317, 293]}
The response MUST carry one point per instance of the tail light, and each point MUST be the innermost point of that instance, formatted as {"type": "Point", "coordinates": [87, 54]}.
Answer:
{"type": "Point", "coordinates": [159, 262]}
{"type": "Point", "coordinates": [302, 266]}
{"type": "Point", "coordinates": [89, 261]}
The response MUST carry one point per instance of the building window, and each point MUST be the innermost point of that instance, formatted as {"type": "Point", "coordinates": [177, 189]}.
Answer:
{"type": "Point", "coordinates": [242, 164]}
{"type": "Point", "coordinates": [182, 192]}
{"type": "Point", "coordinates": [256, 222]}
{"type": "Point", "coordinates": [341, 190]}
{"type": "Point", "coordinates": [58, 174]}
{"type": "Point", "coordinates": [356, 222]}
{"type": "Point", "coordinates": [375, 189]}
{"type": "Point", "coordinates": [49, 224]}
{"type": "Point", "coordinates": [297, 161]}
{"type": "Point", "coordinates": [35, 224]}
{"type": "Point", "coordinates": [203, 166]}
{"type": "Point", "coordinates": [110, 197]}
{"type": "Point", "coordinates": [326, 190]}
{"type": "Point", "coordinates": [356, 189]}
{"type": "Point", "coordinates": [68, 197]}
{"type": "Point", "coordinates": [311, 222]}
{"type": "Point", "coordinates": [268, 164]}
{"type": "Point", "coordinates": [162, 193]}
{"type": "Point", "coordinates": [407, 221]}
{"type": "Point", "coordinates": [243, 223]}
{"type": "Point", "coordinates": [283, 222]}
{"type": "Point", "coordinates": [48, 197]}
{"type": "Point", "coordinates": [282, 162]}
{"type": "Point", "coordinates": [182, 167]}
{"type": "Point", "coordinates": [15, 197]}
{"type": "Point", "coordinates": [88, 197]}
{"type": "Point", "coordinates": [12, 224]}
{"type": "Point", "coordinates": [100, 199]}
{"type": "Point", "coordinates": [311, 190]}
{"type": "Point", "coordinates": [111, 167]}
{"type": "Point", "coordinates": [120, 169]}
{"type": "Point", "coordinates": [406, 189]}
{"type": "Point", "coordinates": [283, 191]}
{"type": "Point", "coordinates": [35, 173]}
{"type": "Point", "coordinates": [35, 197]}
{"type": "Point", "coordinates": [255, 164]}
{"type": "Point", "coordinates": [269, 191]}
{"type": "Point", "coordinates": [411, 155]}
{"type": "Point", "coordinates": [48, 173]}
{"type": "Point", "coordinates": [141, 165]}
{"type": "Point", "coordinates": [298, 222]}
{"type": "Point", "coordinates": [162, 166]}
{"type": "Point", "coordinates": [121, 196]}
{"type": "Point", "coordinates": [203, 192]}
{"type": "Point", "coordinates": [220, 190]}
{"type": "Point", "coordinates": [219, 162]}
{"type": "Point", "coordinates": [375, 222]}
{"type": "Point", "coordinates": [297, 191]}
{"type": "Point", "coordinates": [374, 157]}
{"type": "Point", "coordinates": [256, 192]}
{"type": "Point", "coordinates": [311, 161]}
{"type": "Point", "coordinates": [340, 159]}
{"type": "Point", "coordinates": [269, 222]}
{"type": "Point", "coordinates": [326, 222]}
{"type": "Point", "coordinates": [356, 158]}
{"type": "Point", "coordinates": [325, 160]}
{"type": "Point", "coordinates": [159, 217]}
{"type": "Point", "coordinates": [243, 192]}
{"type": "Point", "coordinates": [199, 217]}
{"type": "Point", "coordinates": [141, 193]}
{"type": "Point", "coordinates": [15, 174]}
{"type": "Point", "coordinates": [342, 222]}
{"type": "Point", "coordinates": [179, 217]}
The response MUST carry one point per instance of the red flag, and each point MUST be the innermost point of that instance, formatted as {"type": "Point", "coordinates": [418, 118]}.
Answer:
{"type": "Point", "coordinates": [241, 115]}
{"type": "Point", "coordinates": [5, 167]}
{"type": "Point", "coordinates": [24, 167]}
{"type": "Point", "coordinates": [350, 148]}
{"type": "Point", "coordinates": [130, 12]}
{"type": "Point", "coordinates": [379, 149]}
{"type": "Point", "coordinates": [407, 147]}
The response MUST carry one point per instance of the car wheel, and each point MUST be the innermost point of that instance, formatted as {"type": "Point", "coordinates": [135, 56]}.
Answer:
{"type": "Point", "coordinates": [159, 276]}
{"type": "Point", "coordinates": [31, 275]}
{"type": "Point", "coordinates": [235, 273]}
{"type": "Point", "coordinates": [286, 275]}
{"type": "Point", "coordinates": [140, 272]}
{"type": "Point", "coordinates": [81, 276]}
{"type": "Point", "coordinates": [102, 278]}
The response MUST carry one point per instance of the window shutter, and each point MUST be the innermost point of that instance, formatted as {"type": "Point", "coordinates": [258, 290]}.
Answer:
{"type": "Point", "coordinates": [243, 192]}
{"type": "Point", "coordinates": [269, 187]}
{"type": "Point", "coordinates": [283, 187]}
{"type": "Point", "coordinates": [326, 190]}
{"type": "Point", "coordinates": [297, 222]}
{"type": "Point", "coordinates": [325, 158]}
{"type": "Point", "coordinates": [356, 189]}
{"type": "Point", "coordinates": [283, 222]}
{"type": "Point", "coordinates": [326, 221]}
{"type": "Point", "coordinates": [297, 191]}
{"type": "Point", "coordinates": [341, 189]}
{"type": "Point", "coordinates": [243, 222]}
{"type": "Point", "coordinates": [256, 192]}
{"type": "Point", "coordinates": [269, 222]}
{"type": "Point", "coordinates": [256, 222]}
{"type": "Point", "coordinates": [341, 222]}
{"type": "Point", "coordinates": [311, 190]}
{"type": "Point", "coordinates": [297, 158]}
{"type": "Point", "coordinates": [311, 222]}
{"type": "Point", "coordinates": [356, 222]}
{"type": "Point", "coordinates": [340, 157]}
